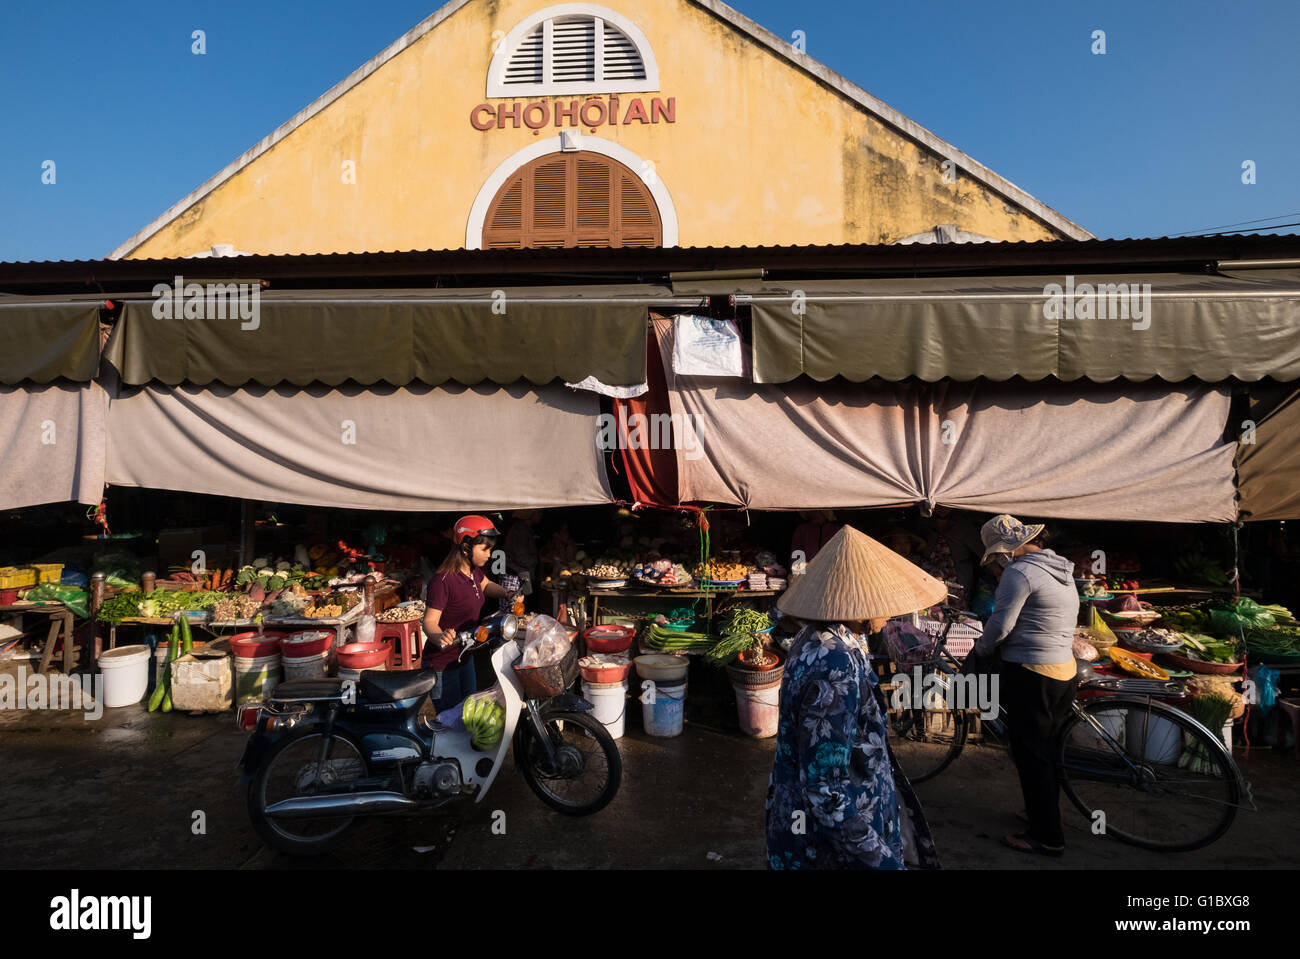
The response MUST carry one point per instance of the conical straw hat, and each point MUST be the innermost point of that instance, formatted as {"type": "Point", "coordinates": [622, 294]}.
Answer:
{"type": "Point", "coordinates": [853, 577]}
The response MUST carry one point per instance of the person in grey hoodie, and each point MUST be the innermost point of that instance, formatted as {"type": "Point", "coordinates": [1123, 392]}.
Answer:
{"type": "Point", "coordinates": [1034, 614]}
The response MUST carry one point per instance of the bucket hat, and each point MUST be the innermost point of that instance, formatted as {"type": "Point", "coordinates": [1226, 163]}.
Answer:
{"type": "Point", "coordinates": [853, 577]}
{"type": "Point", "coordinates": [1004, 534]}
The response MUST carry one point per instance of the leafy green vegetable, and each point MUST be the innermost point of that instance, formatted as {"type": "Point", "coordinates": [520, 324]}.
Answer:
{"type": "Point", "coordinates": [122, 606]}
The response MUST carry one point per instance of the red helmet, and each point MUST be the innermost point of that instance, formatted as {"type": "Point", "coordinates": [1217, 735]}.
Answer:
{"type": "Point", "coordinates": [468, 527]}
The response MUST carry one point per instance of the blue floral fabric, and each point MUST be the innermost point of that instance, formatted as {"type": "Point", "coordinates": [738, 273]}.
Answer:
{"type": "Point", "coordinates": [834, 801]}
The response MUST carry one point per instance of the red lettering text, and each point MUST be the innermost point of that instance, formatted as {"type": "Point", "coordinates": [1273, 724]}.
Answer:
{"type": "Point", "coordinates": [636, 111]}
{"type": "Point", "coordinates": [545, 110]}
{"type": "Point", "coordinates": [569, 113]}
{"type": "Point", "coordinates": [484, 124]}
{"type": "Point", "coordinates": [658, 109]}
{"type": "Point", "coordinates": [601, 113]}
{"type": "Point", "coordinates": [512, 114]}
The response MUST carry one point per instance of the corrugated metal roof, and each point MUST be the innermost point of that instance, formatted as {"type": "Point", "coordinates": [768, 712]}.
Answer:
{"type": "Point", "coordinates": [433, 268]}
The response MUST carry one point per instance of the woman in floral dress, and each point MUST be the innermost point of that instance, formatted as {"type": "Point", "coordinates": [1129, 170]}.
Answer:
{"type": "Point", "coordinates": [835, 800]}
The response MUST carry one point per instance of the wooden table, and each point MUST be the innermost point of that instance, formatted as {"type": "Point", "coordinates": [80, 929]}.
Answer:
{"type": "Point", "coordinates": [61, 622]}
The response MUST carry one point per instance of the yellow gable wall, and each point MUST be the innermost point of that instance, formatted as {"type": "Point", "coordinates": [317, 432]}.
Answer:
{"type": "Point", "coordinates": [761, 153]}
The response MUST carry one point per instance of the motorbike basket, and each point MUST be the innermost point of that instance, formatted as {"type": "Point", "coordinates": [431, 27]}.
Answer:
{"type": "Point", "coordinates": [545, 682]}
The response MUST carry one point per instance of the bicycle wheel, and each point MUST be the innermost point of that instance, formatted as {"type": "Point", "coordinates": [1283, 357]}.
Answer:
{"type": "Point", "coordinates": [925, 738]}
{"type": "Point", "coordinates": [1159, 779]}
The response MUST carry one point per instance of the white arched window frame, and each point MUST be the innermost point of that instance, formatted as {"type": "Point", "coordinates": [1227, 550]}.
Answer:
{"type": "Point", "coordinates": [616, 49]}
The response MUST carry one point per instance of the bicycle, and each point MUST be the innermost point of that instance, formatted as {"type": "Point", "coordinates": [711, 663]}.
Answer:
{"type": "Point", "coordinates": [1117, 747]}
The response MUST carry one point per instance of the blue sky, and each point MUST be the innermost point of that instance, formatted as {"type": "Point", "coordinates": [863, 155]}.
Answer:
{"type": "Point", "coordinates": [1147, 140]}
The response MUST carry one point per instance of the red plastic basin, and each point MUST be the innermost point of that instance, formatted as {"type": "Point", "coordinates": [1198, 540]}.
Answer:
{"type": "Point", "coordinates": [255, 645]}
{"type": "Point", "coordinates": [309, 642]}
{"type": "Point", "coordinates": [363, 655]}
{"type": "Point", "coordinates": [609, 639]}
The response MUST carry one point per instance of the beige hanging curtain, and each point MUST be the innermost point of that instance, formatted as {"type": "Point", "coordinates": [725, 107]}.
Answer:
{"type": "Point", "coordinates": [381, 448]}
{"type": "Point", "coordinates": [1080, 451]}
{"type": "Point", "coordinates": [52, 443]}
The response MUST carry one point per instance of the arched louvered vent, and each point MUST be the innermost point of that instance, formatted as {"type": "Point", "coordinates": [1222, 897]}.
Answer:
{"type": "Point", "coordinates": [573, 48]}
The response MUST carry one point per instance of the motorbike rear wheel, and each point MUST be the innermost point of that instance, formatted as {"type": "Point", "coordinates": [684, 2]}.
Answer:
{"type": "Point", "coordinates": [588, 767]}
{"type": "Point", "coordinates": [291, 770]}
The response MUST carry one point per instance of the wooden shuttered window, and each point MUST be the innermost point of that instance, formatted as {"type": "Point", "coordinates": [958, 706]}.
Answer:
{"type": "Point", "coordinates": [572, 200]}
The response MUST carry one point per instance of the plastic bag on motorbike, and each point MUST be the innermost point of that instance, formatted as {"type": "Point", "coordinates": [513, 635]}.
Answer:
{"type": "Point", "coordinates": [546, 642]}
{"type": "Point", "coordinates": [484, 718]}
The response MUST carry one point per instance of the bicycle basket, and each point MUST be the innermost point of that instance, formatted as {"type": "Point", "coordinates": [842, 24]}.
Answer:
{"type": "Point", "coordinates": [545, 682]}
{"type": "Point", "coordinates": [908, 645]}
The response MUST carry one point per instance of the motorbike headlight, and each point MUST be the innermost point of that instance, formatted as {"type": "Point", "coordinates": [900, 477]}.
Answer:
{"type": "Point", "coordinates": [509, 626]}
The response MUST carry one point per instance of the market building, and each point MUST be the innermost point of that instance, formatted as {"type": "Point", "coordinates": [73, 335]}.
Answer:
{"type": "Point", "coordinates": [525, 124]}
{"type": "Point", "coordinates": [668, 357]}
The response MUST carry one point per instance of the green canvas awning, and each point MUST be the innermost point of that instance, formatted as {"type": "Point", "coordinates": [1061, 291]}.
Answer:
{"type": "Point", "coordinates": [1134, 327]}
{"type": "Point", "coordinates": [391, 336]}
{"type": "Point", "coordinates": [1268, 457]}
{"type": "Point", "coordinates": [45, 338]}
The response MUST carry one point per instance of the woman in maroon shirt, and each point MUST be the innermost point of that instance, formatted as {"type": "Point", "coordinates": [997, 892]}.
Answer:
{"type": "Point", "coordinates": [454, 601]}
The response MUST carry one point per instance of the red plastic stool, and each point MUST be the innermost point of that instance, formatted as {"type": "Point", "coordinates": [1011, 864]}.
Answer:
{"type": "Point", "coordinates": [404, 642]}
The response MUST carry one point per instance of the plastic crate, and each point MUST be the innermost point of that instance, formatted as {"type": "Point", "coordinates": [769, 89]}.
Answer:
{"type": "Point", "coordinates": [48, 572]}
{"type": "Point", "coordinates": [961, 638]}
{"type": "Point", "coordinates": [14, 577]}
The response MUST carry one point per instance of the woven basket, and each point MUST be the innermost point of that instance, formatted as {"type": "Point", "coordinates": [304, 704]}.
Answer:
{"type": "Point", "coordinates": [546, 682]}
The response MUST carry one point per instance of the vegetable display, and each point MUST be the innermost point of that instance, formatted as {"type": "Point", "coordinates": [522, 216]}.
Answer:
{"type": "Point", "coordinates": [485, 719]}
{"type": "Point", "coordinates": [1212, 712]}
{"type": "Point", "coordinates": [1199, 569]}
{"type": "Point", "coordinates": [671, 641]}
{"type": "Point", "coordinates": [124, 605]}
{"type": "Point", "coordinates": [742, 620]}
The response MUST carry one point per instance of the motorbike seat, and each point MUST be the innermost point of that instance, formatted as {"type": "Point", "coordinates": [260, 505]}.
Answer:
{"type": "Point", "coordinates": [309, 689]}
{"type": "Point", "coordinates": [380, 686]}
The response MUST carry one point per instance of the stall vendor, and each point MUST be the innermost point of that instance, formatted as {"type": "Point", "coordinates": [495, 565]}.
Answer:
{"type": "Point", "coordinates": [454, 602]}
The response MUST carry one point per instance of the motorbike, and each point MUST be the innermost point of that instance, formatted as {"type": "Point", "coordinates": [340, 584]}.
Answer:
{"type": "Point", "coordinates": [326, 752]}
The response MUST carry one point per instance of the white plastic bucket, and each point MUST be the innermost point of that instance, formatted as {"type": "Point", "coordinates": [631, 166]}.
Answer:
{"type": "Point", "coordinates": [758, 709]}
{"type": "Point", "coordinates": [663, 717]}
{"type": "Point", "coordinates": [1111, 720]}
{"type": "Point", "coordinates": [1154, 738]}
{"type": "Point", "coordinates": [126, 674]}
{"type": "Point", "coordinates": [609, 704]}
{"type": "Point", "coordinates": [256, 678]}
{"type": "Point", "coordinates": [355, 674]}
{"type": "Point", "coordinates": [306, 667]}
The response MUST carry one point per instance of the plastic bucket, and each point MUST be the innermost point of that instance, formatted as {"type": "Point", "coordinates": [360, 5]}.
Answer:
{"type": "Point", "coordinates": [1113, 721]}
{"type": "Point", "coordinates": [306, 667]}
{"type": "Point", "coordinates": [355, 674]}
{"type": "Point", "coordinates": [1154, 738]}
{"type": "Point", "coordinates": [758, 709]}
{"type": "Point", "coordinates": [663, 717]}
{"type": "Point", "coordinates": [256, 678]}
{"type": "Point", "coordinates": [126, 674]}
{"type": "Point", "coordinates": [609, 704]}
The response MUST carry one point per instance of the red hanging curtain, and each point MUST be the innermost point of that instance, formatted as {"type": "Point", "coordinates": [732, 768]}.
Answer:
{"type": "Point", "coordinates": [652, 474]}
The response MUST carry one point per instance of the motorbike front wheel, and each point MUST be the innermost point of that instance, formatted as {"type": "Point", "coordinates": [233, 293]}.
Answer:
{"type": "Point", "coordinates": [293, 769]}
{"type": "Point", "coordinates": [587, 768]}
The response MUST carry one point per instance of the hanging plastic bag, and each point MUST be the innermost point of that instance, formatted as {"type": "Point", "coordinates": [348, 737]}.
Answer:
{"type": "Point", "coordinates": [77, 600]}
{"type": "Point", "coordinates": [546, 642]}
{"type": "Point", "coordinates": [484, 718]}
{"type": "Point", "coordinates": [366, 629]}
{"type": "Point", "coordinates": [1265, 679]}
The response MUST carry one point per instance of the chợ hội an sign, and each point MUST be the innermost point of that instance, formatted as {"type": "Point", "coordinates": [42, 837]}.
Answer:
{"type": "Point", "coordinates": [592, 112]}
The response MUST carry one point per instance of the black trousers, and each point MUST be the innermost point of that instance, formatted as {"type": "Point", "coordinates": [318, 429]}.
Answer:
{"type": "Point", "coordinates": [1036, 707]}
